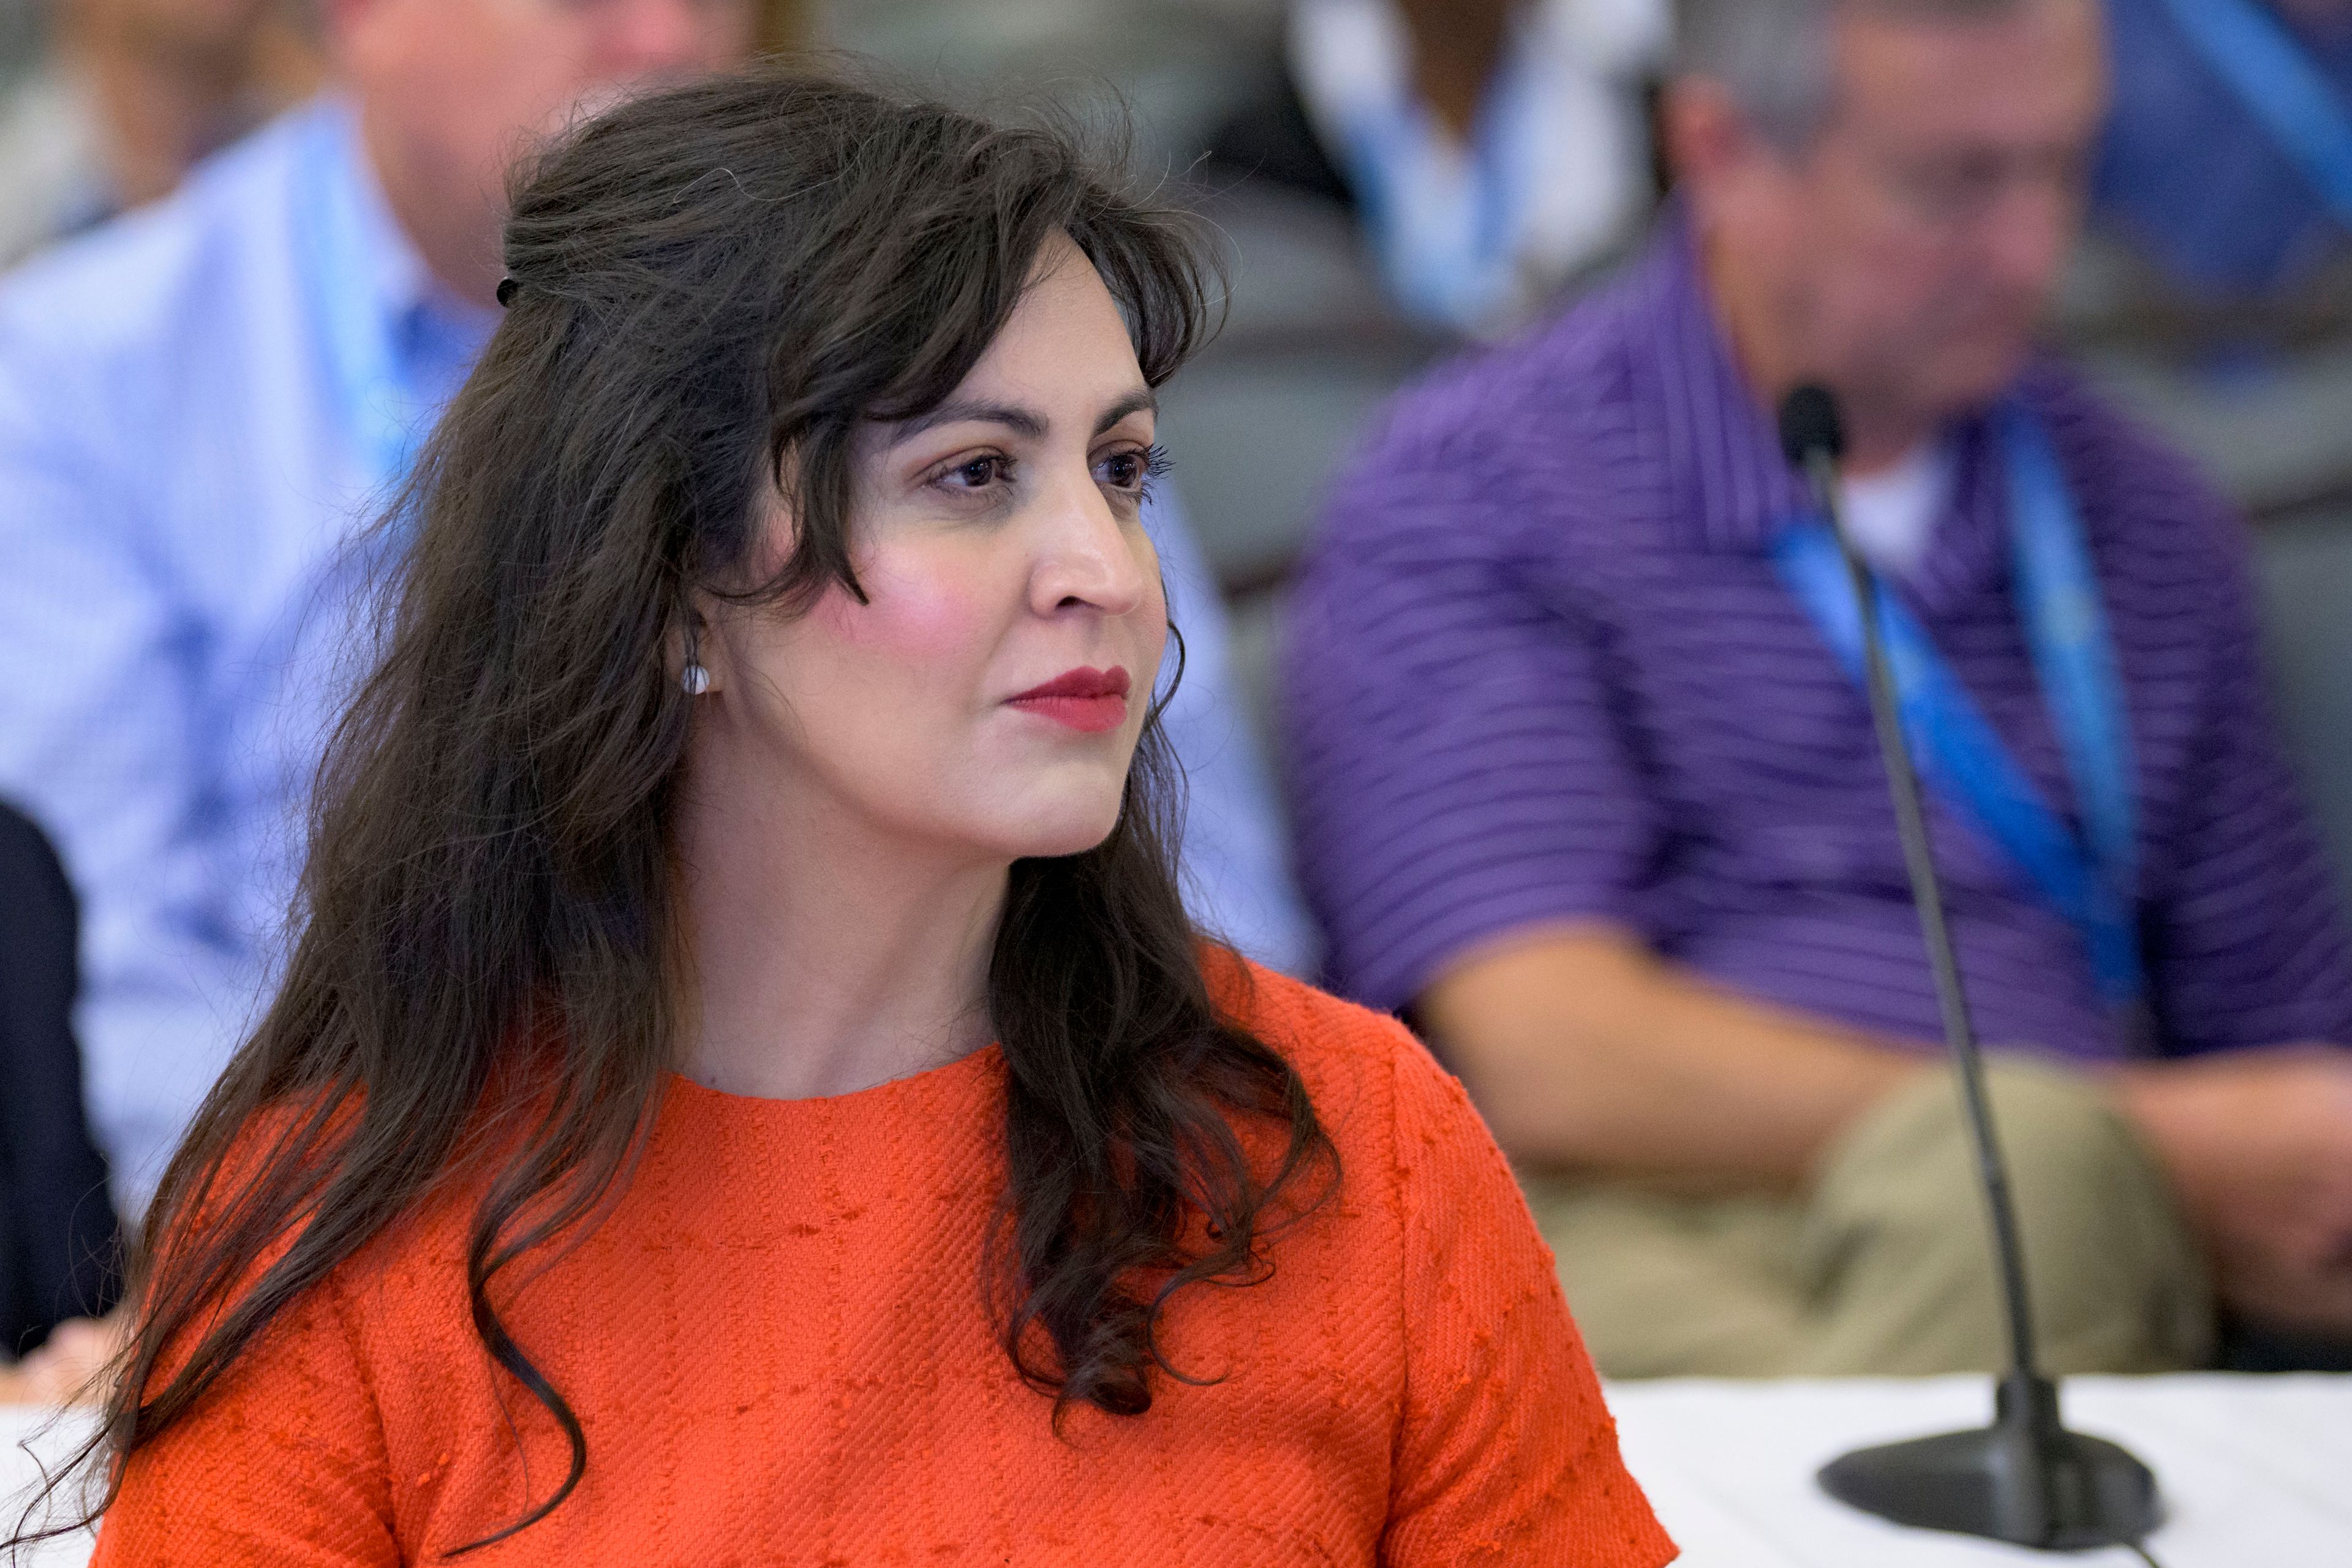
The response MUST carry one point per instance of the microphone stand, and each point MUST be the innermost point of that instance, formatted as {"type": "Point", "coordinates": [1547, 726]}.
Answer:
{"type": "Point", "coordinates": [2026, 1478]}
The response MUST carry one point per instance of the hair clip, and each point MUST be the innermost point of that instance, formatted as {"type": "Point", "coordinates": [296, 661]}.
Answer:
{"type": "Point", "coordinates": [507, 286]}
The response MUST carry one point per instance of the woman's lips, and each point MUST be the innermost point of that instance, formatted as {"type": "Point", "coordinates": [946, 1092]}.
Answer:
{"type": "Point", "coordinates": [1091, 700]}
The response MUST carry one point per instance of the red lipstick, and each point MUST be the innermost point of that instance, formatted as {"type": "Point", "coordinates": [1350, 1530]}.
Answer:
{"type": "Point", "coordinates": [1091, 700]}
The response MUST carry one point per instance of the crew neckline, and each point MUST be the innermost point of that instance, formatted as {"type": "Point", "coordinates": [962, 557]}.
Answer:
{"type": "Point", "coordinates": [946, 1075]}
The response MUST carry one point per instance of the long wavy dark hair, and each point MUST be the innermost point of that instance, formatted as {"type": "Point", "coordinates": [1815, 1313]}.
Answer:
{"type": "Point", "coordinates": [712, 288]}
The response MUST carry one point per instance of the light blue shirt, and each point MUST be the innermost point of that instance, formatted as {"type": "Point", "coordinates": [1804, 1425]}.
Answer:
{"type": "Point", "coordinates": [200, 407]}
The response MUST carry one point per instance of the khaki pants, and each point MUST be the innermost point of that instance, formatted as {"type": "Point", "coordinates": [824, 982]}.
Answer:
{"type": "Point", "coordinates": [1885, 1266]}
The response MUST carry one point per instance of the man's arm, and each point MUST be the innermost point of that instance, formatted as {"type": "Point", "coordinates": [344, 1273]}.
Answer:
{"type": "Point", "coordinates": [1586, 1051]}
{"type": "Point", "coordinates": [2248, 957]}
{"type": "Point", "coordinates": [2259, 1147]}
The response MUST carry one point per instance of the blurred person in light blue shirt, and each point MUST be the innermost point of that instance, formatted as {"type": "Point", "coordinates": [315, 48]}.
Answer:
{"type": "Point", "coordinates": [1489, 151]}
{"type": "Point", "coordinates": [201, 407]}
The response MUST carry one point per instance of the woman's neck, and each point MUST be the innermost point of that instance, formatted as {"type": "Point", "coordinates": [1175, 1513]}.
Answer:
{"type": "Point", "coordinates": [829, 954]}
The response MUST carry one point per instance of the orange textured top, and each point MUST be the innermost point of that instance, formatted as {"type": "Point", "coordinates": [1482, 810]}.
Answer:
{"type": "Point", "coordinates": [777, 1345]}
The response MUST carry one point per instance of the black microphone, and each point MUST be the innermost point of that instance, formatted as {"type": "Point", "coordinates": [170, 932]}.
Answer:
{"type": "Point", "coordinates": [2024, 1479]}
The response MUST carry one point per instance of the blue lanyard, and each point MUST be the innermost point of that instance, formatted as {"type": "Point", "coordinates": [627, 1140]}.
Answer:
{"type": "Point", "coordinates": [2277, 82]}
{"type": "Point", "coordinates": [384, 414]}
{"type": "Point", "coordinates": [1461, 285]}
{"type": "Point", "coordinates": [2088, 880]}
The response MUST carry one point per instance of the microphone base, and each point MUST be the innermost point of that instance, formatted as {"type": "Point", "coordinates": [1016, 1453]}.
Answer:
{"type": "Point", "coordinates": [2024, 1479]}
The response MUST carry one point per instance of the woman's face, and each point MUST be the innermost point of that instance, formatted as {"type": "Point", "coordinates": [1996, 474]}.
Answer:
{"type": "Point", "coordinates": [987, 699]}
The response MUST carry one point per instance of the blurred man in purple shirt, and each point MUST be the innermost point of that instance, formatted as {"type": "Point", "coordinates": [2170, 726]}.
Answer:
{"type": "Point", "coordinates": [1583, 781]}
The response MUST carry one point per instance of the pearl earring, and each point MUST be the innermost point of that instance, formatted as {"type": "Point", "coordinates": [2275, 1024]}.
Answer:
{"type": "Point", "coordinates": [694, 679]}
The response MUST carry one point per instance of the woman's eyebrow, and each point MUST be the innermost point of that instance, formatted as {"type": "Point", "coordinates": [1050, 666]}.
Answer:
{"type": "Point", "coordinates": [1020, 421]}
{"type": "Point", "coordinates": [1137, 402]}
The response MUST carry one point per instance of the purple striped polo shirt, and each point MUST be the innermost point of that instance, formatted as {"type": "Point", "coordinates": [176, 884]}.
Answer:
{"type": "Point", "coordinates": [1539, 667]}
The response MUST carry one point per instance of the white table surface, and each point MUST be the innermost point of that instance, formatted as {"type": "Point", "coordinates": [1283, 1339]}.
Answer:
{"type": "Point", "coordinates": [31, 1438]}
{"type": "Point", "coordinates": [2255, 1472]}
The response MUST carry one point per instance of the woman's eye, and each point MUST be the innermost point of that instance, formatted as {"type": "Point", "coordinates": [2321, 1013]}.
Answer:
{"type": "Point", "coordinates": [976, 474]}
{"type": "Point", "coordinates": [1134, 470]}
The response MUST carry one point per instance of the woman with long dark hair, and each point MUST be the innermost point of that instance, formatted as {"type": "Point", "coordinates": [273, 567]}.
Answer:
{"type": "Point", "coordinates": [746, 1088]}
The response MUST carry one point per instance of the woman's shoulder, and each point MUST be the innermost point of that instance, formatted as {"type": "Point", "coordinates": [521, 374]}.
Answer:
{"type": "Point", "coordinates": [1501, 1437]}
{"type": "Point", "coordinates": [298, 1144]}
{"type": "Point", "coordinates": [1416, 1158]}
{"type": "Point", "coordinates": [1373, 1082]}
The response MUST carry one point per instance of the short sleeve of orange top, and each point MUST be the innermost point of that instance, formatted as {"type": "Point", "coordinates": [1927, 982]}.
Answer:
{"type": "Point", "coordinates": [778, 1348]}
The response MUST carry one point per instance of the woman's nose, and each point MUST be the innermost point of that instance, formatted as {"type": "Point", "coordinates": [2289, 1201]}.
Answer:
{"type": "Point", "coordinates": [1088, 556]}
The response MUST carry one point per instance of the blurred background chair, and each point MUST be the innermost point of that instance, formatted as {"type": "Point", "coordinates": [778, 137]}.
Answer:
{"type": "Point", "coordinates": [60, 1252]}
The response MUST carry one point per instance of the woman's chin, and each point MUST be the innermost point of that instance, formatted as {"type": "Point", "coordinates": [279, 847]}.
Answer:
{"type": "Point", "coordinates": [1072, 831]}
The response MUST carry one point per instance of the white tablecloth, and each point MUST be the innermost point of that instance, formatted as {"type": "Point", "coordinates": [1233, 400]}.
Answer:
{"type": "Point", "coordinates": [2256, 1472]}
{"type": "Point", "coordinates": [30, 1439]}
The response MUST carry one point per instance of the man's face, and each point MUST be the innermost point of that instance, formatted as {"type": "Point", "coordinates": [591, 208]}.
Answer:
{"type": "Point", "coordinates": [1921, 233]}
{"type": "Point", "coordinates": [211, 33]}
{"type": "Point", "coordinates": [457, 87]}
